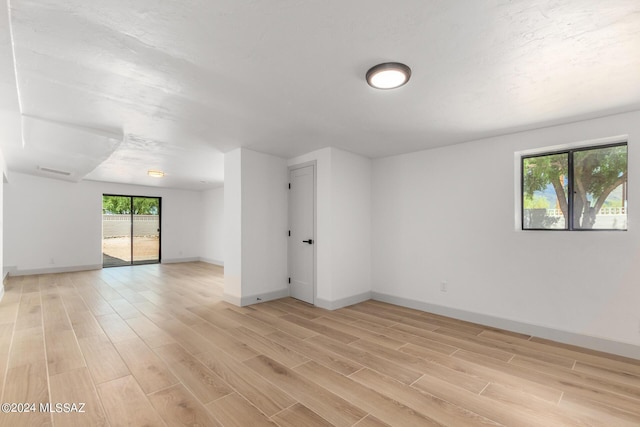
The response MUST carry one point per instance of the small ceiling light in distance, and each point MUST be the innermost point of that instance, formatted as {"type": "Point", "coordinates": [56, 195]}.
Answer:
{"type": "Point", "coordinates": [155, 173]}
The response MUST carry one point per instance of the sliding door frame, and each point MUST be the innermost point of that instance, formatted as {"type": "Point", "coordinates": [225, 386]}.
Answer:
{"type": "Point", "coordinates": [132, 262]}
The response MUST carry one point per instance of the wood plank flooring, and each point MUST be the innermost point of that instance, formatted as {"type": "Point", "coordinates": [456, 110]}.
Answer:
{"type": "Point", "coordinates": [155, 345]}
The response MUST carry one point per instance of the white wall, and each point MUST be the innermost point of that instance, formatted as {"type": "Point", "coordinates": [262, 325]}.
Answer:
{"type": "Point", "coordinates": [3, 174]}
{"type": "Point", "coordinates": [448, 215]}
{"type": "Point", "coordinates": [264, 226]}
{"type": "Point", "coordinates": [255, 204]}
{"type": "Point", "coordinates": [212, 235]}
{"type": "Point", "coordinates": [343, 226]}
{"type": "Point", "coordinates": [51, 224]}
{"type": "Point", "coordinates": [47, 219]}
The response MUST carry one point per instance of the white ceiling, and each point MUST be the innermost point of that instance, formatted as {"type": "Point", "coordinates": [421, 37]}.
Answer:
{"type": "Point", "coordinates": [106, 90]}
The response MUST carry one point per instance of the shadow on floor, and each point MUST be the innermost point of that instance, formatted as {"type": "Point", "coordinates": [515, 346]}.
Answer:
{"type": "Point", "coordinates": [110, 261]}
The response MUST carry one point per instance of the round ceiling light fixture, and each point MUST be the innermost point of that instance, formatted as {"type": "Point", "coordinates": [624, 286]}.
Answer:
{"type": "Point", "coordinates": [155, 173]}
{"type": "Point", "coordinates": [388, 75]}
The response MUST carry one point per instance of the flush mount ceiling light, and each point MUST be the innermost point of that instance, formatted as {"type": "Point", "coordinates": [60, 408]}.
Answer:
{"type": "Point", "coordinates": [388, 75]}
{"type": "Point", "coordinates": [155, 174]}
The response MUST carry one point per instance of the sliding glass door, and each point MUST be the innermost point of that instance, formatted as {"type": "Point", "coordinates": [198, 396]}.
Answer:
{"type": "Point", "coordinates": [145, 242]}
{"type": "Point", "coordinates": [130, 230]}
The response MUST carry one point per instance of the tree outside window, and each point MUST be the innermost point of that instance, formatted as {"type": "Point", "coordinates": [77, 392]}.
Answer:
{"type": "Point", "coordinates": [117, 205]}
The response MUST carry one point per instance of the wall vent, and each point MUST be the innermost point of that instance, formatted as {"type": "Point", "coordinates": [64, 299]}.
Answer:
{"type": "Point", "coordinates": [56, 171]}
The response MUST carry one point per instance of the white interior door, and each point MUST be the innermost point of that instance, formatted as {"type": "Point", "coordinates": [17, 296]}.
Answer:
{"type": "Point", "coordinates": [302, 228]}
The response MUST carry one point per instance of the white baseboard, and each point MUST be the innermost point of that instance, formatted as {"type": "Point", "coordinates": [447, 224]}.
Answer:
{"type": "Point", "coordinates": [212, 261]}
{"type": "Point", "coordinates": [179, 260]}
{"type": "Point", "coordinates": [344, 302]}
{"type": "Point", "coordinates": [255, 299]}
{"type": "Point", "coordinates": [566, 337]}
{"type": "Point", "coordinates": [53, 270]}
{"type": "Point", "coordinates": [7, 271]}
{"type": "Point", "coordinates": [5, 276]}
{"type": "Point", "coordinates": [232, 299]}
{"type": "Point", "coordinates": [264, 297]}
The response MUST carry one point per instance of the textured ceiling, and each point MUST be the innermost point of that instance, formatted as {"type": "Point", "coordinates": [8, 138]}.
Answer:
{"type": "Point", "coordinates": [115, 88]}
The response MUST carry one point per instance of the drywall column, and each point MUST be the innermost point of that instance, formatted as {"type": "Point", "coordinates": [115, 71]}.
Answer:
{"type": "Point", "coordinates": [323, 235]}
{"type": "Point", "coordinates": [351, 228]}
{"type": "Point", "coordinates": [256, 227]}
{"type": "Point", "coordinates": [343, 226]}
{"type": "Point", "coordinates": [233, 226]}
{"type": "Point", "coordinates": [212, 243]}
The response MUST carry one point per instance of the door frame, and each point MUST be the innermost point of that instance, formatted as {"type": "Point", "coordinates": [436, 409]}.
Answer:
{"type": "Point", "coordinates": [131, 228]}
{"type": "Point", "coordinates": [291, 168]}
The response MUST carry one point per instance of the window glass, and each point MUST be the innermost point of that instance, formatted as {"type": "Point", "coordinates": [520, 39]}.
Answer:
{"type": "Point", "coordinates": [600, 188]}
{"type": "Point", "coordinates": [545, 182]}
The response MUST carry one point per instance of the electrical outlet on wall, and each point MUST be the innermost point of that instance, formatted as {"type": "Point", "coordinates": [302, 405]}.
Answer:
{"type": "Point", "coordinates": [444, 286]}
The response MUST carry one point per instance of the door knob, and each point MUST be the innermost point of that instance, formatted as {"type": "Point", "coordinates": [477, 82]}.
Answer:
{"type": "Point", "coordinates": [310, 241]}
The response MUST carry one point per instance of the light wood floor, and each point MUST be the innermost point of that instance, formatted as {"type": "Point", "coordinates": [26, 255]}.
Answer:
{"type": "Point", "coordinates": [154, 345]}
